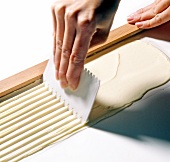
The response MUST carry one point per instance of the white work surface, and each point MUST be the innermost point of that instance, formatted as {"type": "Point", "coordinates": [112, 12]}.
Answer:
{"type": "Point", "coordinates": [138, 133]}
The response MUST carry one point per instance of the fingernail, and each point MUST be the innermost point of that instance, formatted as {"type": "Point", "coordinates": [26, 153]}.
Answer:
{"type": "Point", "coordinates": [72, 87]}
{"type": "Point", "coordinates": [64, 84]}
{"type": "Point", "coordinates": [139, 24]}
{"type": "Point", "coordinates": [130, 18]}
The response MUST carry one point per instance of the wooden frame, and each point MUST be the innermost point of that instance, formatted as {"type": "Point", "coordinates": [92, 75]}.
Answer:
{"type": "Point", "coordinates": [34, 73]}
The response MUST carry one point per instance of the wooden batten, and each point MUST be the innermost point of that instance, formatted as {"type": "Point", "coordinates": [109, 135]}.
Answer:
{"type": "Point", "coordinates": [22, 79]}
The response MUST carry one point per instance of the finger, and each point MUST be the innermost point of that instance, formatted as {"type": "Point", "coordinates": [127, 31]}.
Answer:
{"type": "Point", "coordinates": [157, 8]}
{"type": "Point", "coordinates": [148, 12]}
{"type": "Point", "coordinates": [69, 36]}
{"type": "Point", "coordinates": [59, 12]}
{"type": "Point", "coordinates": [54, 27]}
{"type": "Point", "coordinates": [159, 19]}
{"type": "Point", "coordinates": [76, 65]}
{"type": "Point", "coordinates": [78, 55]}
{"type": "Point", "coordinates": [136, 16]}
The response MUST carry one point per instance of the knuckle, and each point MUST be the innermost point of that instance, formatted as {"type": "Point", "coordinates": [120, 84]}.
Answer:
{"type": "Point", "coordinates": [154, 10]}
{"type": "Point", "coordinates": [84, 22]}
{"type": "Point", "coordinates": [158, 19]}
{"type": "Point", "coordinates": [59, 7]}
{"type": "Point", "coordinates": [59, 45]}
{"type": "Point", "coordinates": [140, 18]}
{"type": "Point", "coordinates": [85, 25]}
{"type": "Point", "coordinates": [77, 59]}
{"type": "Point", "coordinates": [69, 14]}
{"type": "Point", "coordinates": [139, 15]}
{"type": "Point", "coordinates": [147, 24]}
{"type": "Point", "coordinates": [65, 53]}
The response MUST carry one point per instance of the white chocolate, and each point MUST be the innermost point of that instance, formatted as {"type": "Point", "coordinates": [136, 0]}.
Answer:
{"type": "Point", "coordinates": [128, 72]}
{"type": "Point", "coordinates": [22, 97]}
{"type": "Point", "coordinates": [31, 110]}
{"type": "Point", "coordinates": [6, 102]}
{"type": "Point", "coordinates": [35, 119]}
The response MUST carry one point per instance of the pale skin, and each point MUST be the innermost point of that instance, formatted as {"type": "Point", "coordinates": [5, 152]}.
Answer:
{"type": "Point", "coordinates": [152, 15]}
{"type": "Point", "coordinates": [80, 24]}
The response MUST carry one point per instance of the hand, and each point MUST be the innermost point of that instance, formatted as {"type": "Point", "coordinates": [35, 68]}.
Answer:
{"type": "Point", "coordinates": [151, 16]}
{"type": "Point", "coordinates": [78, 24]}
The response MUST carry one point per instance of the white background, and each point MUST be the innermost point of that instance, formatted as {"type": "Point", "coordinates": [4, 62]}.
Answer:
{"type": "Point", "coordinates": [139, 133]}
{"type": "Point", "coordinates": [26, 32]}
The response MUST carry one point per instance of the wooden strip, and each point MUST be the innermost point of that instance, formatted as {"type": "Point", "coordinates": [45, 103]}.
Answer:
{"type": "Point", "coordinates": [34, 73]}
{"type": "Point", "coordinates": [21, 79]}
